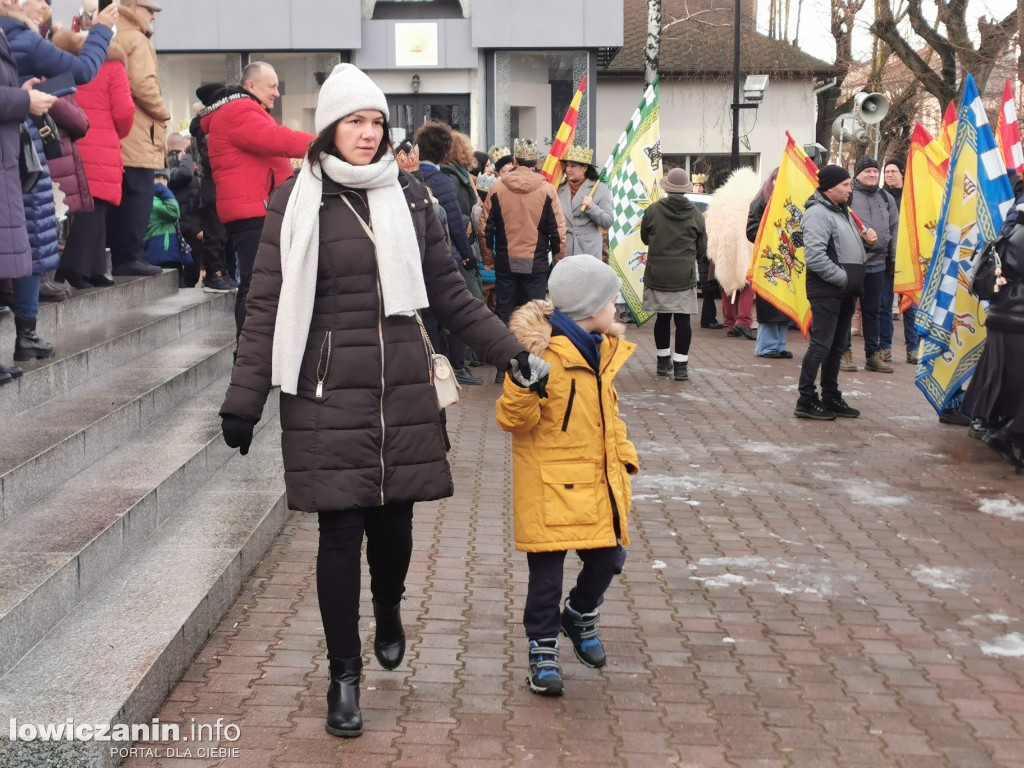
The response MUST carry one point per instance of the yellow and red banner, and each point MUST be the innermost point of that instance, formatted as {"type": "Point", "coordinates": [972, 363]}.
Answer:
{"type": "Point", "coordinates": [947, 131]}
{"type": "Point", "coordinates": [777, 269]}
{"type": "Point", "coordinates": [1008, 131]}
{"type": "Point", "coordinates": [923, 187]}
{"type": "Point", "coordinates": [553, 168]}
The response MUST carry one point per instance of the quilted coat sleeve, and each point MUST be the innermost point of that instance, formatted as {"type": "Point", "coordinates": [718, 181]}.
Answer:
{"type": "Point", "coordinates": [122, 108]}
{"type": "Point", "coordinates": [14, 103]}
{"type": "Point", "coordinates": [263, 136]}
{"type": "Point", "coordinates": [457, 309]}
{"type": "Point", "coordinates": [518, 409]}
{"type": "Point", "coordinates": [47, 60]}
{"type": "Point", "coordinates": [250, 378]}
{"type": "Point", "coordinates": [70, 118]}
{"type": "Point", "coordinates": [449, 199]}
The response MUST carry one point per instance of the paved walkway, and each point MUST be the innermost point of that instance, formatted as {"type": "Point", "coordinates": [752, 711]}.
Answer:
{"type": "Point", "coordinates": [797, 594]}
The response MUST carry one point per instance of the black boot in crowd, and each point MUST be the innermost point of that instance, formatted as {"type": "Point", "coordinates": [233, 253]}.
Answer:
{"type": "Point", "coordinates": [665, 365]}
{"type": "Point", "coordinates": [680, 372]}
{"type": "Point", "coordinates": [343, 716]}
{"type": "Point", "coordinates": [27, 344]}
{"type": "Point", "coordinates": [389, 642]}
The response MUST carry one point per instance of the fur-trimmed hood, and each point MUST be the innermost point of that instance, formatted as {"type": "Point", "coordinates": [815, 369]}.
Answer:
{"type": "Point", "coordinates": [726, 219]}
{"type": "Point", "coordinates": [532, 326]}
{"type": "Point", "coordinates": [72, 42]}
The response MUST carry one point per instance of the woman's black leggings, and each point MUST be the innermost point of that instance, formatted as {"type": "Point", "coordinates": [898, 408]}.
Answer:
{"type": "Point", "coordinates": [663, 332]}
{"type": "Point", "coordinates": [388, 532]}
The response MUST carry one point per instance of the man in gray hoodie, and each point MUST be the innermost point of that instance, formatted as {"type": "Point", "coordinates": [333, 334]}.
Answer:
{"type": "Point", "coordinates": [877, 210]}
{"type": "Point", "coordinates": [834, 254]}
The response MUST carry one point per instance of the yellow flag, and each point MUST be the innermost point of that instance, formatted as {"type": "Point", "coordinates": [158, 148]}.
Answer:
{"type": "Point", "coordinates": [923, 187]}
{"type": "Point", "coordinates": [778, 273]}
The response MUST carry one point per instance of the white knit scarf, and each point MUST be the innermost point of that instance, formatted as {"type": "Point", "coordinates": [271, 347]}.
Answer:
{"type": "Point", "coordinates": [397, 251]}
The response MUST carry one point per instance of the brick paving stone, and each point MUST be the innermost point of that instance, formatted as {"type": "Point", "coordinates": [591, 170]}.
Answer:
{"type": "Point", "coordinates": [824, 595]}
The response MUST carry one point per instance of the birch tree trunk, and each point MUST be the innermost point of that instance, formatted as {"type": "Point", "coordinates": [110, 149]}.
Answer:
{"type": "Point", "coordinates": [653, 46]}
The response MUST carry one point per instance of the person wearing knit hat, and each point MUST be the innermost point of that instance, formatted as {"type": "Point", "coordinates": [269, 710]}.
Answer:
{"type": "Point", "coordinates": [351, 252]}
{"type": "Point", "coordinates": [560, 446]}
{"type": "Point", "coordinates": [834, 257]}
{"type": "Point", "coordinates": [674, 231]}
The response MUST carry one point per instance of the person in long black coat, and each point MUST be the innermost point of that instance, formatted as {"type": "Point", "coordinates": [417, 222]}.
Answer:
{"type": "Point", "coordinates": [16, 104]}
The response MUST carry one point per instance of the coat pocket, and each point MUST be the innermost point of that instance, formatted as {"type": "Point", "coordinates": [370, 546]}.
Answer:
{"type": "Point", "coordinates": [570, 493]}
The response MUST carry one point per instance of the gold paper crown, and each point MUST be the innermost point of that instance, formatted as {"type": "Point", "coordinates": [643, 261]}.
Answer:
{"type": "Point", "coordinates": [699, 178]}
{"type": "Point", "coordinates": [499, 152]}
{"type": "Point", "coordinates": [578, 154]}
{"type": "Point", "coordinates": [525, 149]}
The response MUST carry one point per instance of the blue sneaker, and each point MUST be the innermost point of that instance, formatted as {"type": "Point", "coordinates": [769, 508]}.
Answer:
{"type": "Point", "coordinates": [545, 674]}
{"type": "Point", "coordinates": [581, 628]}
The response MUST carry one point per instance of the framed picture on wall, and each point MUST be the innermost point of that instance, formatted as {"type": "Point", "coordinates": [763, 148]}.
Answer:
{"type": "Point", "coordinates": [416, 44]}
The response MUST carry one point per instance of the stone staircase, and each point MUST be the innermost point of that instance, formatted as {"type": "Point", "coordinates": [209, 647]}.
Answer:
{"type": "Point", "coordinates": [126, 525]}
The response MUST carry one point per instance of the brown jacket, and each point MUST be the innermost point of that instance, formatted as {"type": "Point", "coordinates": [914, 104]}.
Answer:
{"type": "Point", "coordinates": [372, 435]}
{"type": "Point", "coordinates": [144, 147]}
{"type": "Point", "coordinates": [521, 222]}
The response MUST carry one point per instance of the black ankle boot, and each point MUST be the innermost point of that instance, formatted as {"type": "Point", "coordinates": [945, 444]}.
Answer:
{"type": "Point", "coordinates": [665, 365]}
{"type": "Point", "coordinates": [27, 344]}
{"type": "Point", "coordinates": [343, 716]}
{"type": "Point", "coordinates": [389, 642]}
{"type": "Point", "coordinates": [680, 373]}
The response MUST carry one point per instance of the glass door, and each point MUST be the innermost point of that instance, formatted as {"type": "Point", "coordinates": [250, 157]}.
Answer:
{"type": "Point", "coordinates": [410, 111]}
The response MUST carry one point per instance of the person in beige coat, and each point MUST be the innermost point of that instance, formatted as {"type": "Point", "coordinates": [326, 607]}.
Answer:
{"type": "Point", "coordinates": [143, 148]}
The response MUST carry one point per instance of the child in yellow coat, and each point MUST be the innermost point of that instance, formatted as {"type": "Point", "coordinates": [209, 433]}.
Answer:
{"type": "Point", "coordinates": [571, 461]}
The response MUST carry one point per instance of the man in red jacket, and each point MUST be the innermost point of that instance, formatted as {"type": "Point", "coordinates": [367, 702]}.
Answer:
{"type": "Point", "coordinates": [249, 155]}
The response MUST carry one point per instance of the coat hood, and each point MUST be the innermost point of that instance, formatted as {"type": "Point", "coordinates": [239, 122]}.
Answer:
{"type": "Point", "coordinates": [532, 326]}
{"type": "Point", "coordinates": [678, 207]}
{"type": "Point", "coordinates": [72, 42]}
{"type": "Point", "coordinates": [523, 180]}
{"type": "Point", "coordinates": [17, 18]}
{"type": "Point", "coordinates": [230, 94]}
{"type": "Point", "coordinates": [127, 13]}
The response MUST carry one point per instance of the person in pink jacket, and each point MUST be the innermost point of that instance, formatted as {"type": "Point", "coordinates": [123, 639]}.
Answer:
{"type": "Point", "coordinates": [107, 102]}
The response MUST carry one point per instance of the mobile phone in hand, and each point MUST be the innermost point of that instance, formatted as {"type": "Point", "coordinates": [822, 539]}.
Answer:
{"type": "Point", "coordinates": [103, 4]}
{"type": "Point", "coordinates": [58, 86]}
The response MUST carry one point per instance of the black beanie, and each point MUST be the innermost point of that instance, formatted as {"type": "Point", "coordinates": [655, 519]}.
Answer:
{"type": "Point", "coordinates": [898, 163]}
{"type": "Point", "coordinates": [501, 162]}
{"type": "Point", "coordinates": [830, 176]}
{"type": "Point", "coordinates": [864, 162]}
{"type": "Point", "coordinates": [208, 93]}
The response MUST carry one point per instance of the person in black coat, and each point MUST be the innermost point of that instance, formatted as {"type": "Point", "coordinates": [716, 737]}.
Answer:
{"type": "Point", "coordinates": [772, 323]}
{"type": "Point", "coordinates": [995, 397]}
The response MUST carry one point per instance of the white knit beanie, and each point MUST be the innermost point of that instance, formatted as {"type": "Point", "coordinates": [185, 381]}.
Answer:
{"type": "Point", "coordinates": [582, 285]}
{"type": "Point", "coordinates": [347, 90]}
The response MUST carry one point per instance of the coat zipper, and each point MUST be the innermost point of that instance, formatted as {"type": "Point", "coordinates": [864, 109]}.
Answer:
{"type": "Point", "coordinates": [326, 349]}
{"type": "Point", "coordinates": [568, 408]}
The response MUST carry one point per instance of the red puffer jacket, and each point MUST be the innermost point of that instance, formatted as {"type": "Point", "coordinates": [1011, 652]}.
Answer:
{"type": "Point", "coordinates": [249, 154]}
{"type": "Point", "coordinates": [107, 102]}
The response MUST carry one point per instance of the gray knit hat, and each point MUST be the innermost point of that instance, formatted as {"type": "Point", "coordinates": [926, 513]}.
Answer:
{"type": "Point", "coordinates": [582, 285]}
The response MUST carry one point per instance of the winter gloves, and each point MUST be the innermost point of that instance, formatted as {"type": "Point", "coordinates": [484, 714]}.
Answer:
{"type": "Point", "coordinates": [237, 432]}
{"type": "Point", "coordinates": [530, 372]}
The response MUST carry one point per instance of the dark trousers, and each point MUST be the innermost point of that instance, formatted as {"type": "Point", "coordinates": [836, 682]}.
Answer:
{"type": "Point", "coordinates": [127, 222]}
{"type": "Point", "coordinates": [663, 332]}
{"type": "Point", "coordinates": [542, 616]}
{"type": "Point", "coordinates": [245, 235]}
{"type": "Point", "coordinates": [870, 306]}
{"type": "Point", "coordinates": [388, 531]}
{"type": "Point", "coordinates": [85, 251]}
{"type": "Point", "coordinates": [514, 290]}
{"type": "Point", "coordinates": [830, 329]}
{"type": "Point", "coordinates": [708, 311]}
{"type": "Point", "coordinates": [215, 236]}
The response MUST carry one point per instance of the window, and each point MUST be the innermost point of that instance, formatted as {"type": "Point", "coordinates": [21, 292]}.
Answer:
{"type": "Point", "coordinates": [533, 90]}
{"type": "Point", "coordinates": [716, 167]}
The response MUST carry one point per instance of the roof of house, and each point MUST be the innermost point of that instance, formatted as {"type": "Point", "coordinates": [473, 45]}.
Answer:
{"type": "Point", "coordinates": [703, 45]}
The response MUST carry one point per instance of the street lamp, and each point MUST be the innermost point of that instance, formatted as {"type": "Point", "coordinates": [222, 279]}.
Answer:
{"type": "Point", "coordinates": [753, 88]}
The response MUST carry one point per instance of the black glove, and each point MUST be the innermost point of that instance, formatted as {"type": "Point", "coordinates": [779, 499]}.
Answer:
{"type": "Point", "coordinates": [530, 372]}
{"type": "Point", "coordinates": [470, 263]}
{"type": "Point", "coordinates": [237, 432]}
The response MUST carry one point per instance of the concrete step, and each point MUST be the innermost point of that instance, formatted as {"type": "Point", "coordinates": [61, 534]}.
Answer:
{"type": "Point", "coordinates": [87, 304]}
{"type": "Point", "coordinates": [62, 546]}
{"type": "Point", "coordinates": [44, 447]}
{"type": "Point", "coordinates": [111, 337]}
{"type": "Point", "coordinates": [115, 657]}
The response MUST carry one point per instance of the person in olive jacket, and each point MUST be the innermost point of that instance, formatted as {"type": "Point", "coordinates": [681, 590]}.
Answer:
{"type": "Point", "coordinates": [350, 251]}
{"type": "Point", "coordinates": [674, 229]}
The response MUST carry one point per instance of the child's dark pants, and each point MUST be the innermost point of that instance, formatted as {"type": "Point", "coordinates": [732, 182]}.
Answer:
{"type": "Point", "coordinates": [543, 614]}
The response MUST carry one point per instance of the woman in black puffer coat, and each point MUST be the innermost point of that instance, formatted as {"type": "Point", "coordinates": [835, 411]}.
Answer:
{"type": "Point", "coordinates": [996, 392]}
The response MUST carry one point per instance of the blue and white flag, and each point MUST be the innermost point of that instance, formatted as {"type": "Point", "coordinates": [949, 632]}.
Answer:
{"type": "Point", "coordinates": [977, 198]}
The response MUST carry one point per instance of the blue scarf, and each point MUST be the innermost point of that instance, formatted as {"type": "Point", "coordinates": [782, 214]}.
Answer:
{"type": "Point", "coordinates": [589, 344]}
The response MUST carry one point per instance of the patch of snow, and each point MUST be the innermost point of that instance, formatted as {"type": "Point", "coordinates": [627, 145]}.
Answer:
{"type": "Point", "coordinates": [1011, 645]}
{"type": "Point", "coordinates": [729, 640]}
{"type": "Point", "coordinates": [691, 398]}
{"type": "Point", "coordinates": [749, 561]}
{"type": "Point", "coordinates": [883, 434]}
{"type": "Point", "coordinates": [725, 580]}
{"type": "Point", "coordinates": [644, 496]}
{"type": "Point", "coordinates": [987, 618]}
{"type": "Point", "coordinates": [658, 565]}
{"type": "Point", "coordinates": [940, 578]}
{"type": "Point", "coordinates": [853, 393]}
{"type": "Point", "coordinates": [1005, 508]}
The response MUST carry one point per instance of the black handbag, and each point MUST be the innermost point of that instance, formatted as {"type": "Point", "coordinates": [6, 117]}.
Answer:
{"type": "Point", "coordinates": [50, 135]}
{"type": "Point", "coordinates": [28, 161]}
